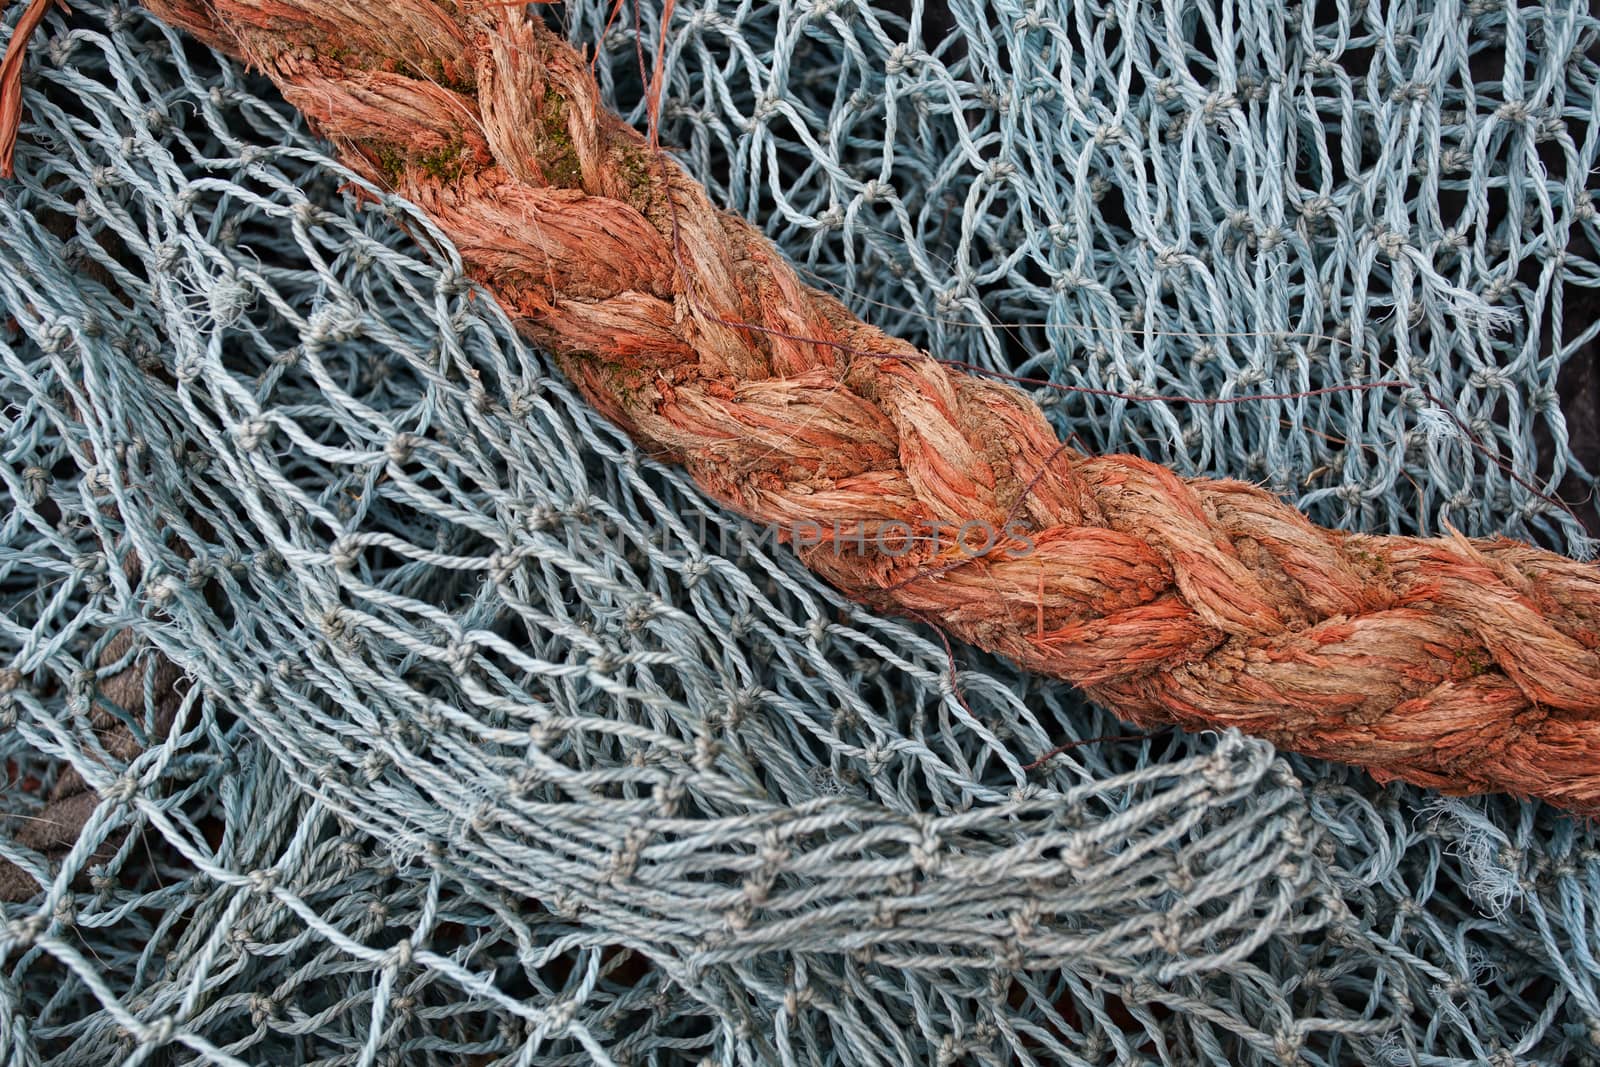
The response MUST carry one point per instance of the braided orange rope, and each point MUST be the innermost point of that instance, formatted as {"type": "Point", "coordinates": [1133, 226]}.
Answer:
{"type": "Point", "coordinates": [1462, 665]}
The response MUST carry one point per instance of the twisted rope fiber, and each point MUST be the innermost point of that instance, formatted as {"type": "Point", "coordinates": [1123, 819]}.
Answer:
{"type": "Point", "coordinates": [1461, 665]}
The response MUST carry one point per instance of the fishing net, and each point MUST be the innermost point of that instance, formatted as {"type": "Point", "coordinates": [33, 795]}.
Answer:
{"type": "Point", "coordinates": [498, 743]}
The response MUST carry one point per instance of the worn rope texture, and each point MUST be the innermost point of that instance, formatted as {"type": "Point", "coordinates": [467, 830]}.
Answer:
{"type": "Point", "coordinates": [644, 795]}
{"type": "Point", "coordinates": [1462, 666]}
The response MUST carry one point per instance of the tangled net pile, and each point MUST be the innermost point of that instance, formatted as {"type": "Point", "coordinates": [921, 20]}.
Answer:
{"type": "Point", "coordinates": [643, 790]}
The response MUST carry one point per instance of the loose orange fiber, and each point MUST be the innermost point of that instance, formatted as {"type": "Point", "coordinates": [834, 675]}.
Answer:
{"type": "Point", "coordinates": [11, 80]}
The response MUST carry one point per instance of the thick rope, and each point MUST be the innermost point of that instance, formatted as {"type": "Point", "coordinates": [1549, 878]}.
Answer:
{"type": "Point", "coordinates": [1461, 665]}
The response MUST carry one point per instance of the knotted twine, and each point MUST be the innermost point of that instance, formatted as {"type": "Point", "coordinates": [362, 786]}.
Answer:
{"type": "Point", "coordinates": [1462, 665]}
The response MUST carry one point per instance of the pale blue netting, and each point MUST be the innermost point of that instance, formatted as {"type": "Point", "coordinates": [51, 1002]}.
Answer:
{"type": "Point", "coordinates": [502, 748]}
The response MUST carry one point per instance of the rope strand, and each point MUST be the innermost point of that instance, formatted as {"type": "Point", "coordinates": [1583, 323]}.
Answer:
{"type": "Point", "coordinates": [1462, 665]}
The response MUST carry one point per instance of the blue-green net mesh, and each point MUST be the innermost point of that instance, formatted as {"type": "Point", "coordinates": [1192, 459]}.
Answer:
{"type": "Point", "coordinates": [500, 744]}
